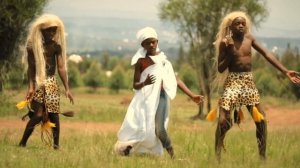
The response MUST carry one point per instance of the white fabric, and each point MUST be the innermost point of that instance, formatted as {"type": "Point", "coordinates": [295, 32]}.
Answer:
{"type": "Point", "coordinates": [141, 53]}
{"type": "Point", "coordinates": [147, 32]}
{"type": "Point", "coordinates": [138, 128]}
{"type": "Point", "coordinates": [141, 35]}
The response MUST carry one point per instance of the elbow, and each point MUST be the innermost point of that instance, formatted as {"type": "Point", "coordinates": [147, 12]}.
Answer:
{"type": "Point", "coordinates": [135, 87]}
{"type": "Point", "coordinates": [61, 70]}
{"type": "Point", "coordinates": [221, 69]}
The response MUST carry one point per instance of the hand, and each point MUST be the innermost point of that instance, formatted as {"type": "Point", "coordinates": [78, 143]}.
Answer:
{"type": "Point", "coordinates": [149, 80]}
{"type": "Point", "coordinates": [229, 41]}
{"type": "Point", "coordinates": [70, 96]}
{"type": "Point", "coordinates": [294, 76]}
{"type": "Point", "coordinates": [29, 94]}
{"type": "Point", "coordinates": [24, 117]}
{"type": "Point", "coordinates": [198, 99]}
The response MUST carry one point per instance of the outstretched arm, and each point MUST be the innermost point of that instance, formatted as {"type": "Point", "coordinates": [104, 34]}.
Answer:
{"type": "Point", "coordinates": [292, 75]}
{"type": "Point", "coordinates": [196, 98]}
{"type": "Point", "coordinates": [63, 76]}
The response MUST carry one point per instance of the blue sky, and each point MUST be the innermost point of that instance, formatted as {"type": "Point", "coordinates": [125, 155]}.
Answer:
{"type": "Point", "coordinates": [283, 20]}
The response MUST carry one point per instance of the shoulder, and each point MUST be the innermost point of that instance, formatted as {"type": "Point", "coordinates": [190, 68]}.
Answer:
{"type": "Point", "coordinates": [139, 62]}
{"type": "Point", "coordinates": [249, 36]}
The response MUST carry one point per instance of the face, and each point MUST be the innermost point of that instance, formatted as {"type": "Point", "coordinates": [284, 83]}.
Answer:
{"type": "Point", "coordinates": [238, 25]}
{"type": "Point", "coordinates": [150, 45]}
{"type": "Point", "coordinates": [49, 33]}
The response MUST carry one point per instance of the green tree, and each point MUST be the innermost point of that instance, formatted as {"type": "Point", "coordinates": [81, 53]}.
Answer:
{"type": "Point", "coordinates": [290, 58]}
{"type": "Point", "coordinates": [296, 88]}
{"type": "Point", "coordinates": [113, 62]}
{"type": "Point", "coordinates": [74, 76]}
{"type": "Point", "coordinates": [129, 78]}
{"type": "Point", "coordinates": [15, 17]}
{"type": "Point", "coordinates": [181, 57]}
{"type": "Point", "coordinates": [84, 65]}
{"type": "Point", "coordinates": [188, 76]}
{"type": "Point", "coordinates": [197, 22]}
{"type": "Point", "coordinates": [94, 76]}
{"type": "Point", "coordinates": [117, 79]}
{"type": "Point", "coordinates": [105, 60]}
{"type": "Point", "coordinates": [15, 77]}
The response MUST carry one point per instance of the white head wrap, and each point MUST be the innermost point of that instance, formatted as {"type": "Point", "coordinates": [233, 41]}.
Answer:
{"type": "Point", "coordinates": [141, 35]}
{"type": "Point", "coordinates": [145, 33]}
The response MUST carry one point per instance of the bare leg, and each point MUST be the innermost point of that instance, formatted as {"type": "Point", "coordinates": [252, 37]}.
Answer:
{"type": "Point", "coordinates": [54, 118]}
{"type": "Point", "coordinates": [261, 132]}
{"type": "Point", "coordinates": [34, 120]}
{"type": "Point", "coordinates": [224, 124]}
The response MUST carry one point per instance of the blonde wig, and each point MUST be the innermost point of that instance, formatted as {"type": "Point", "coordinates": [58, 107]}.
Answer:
{"type": "Point", "coordinates": [35, 42]}
{"type": "Point", "coordinates": [224, 30]}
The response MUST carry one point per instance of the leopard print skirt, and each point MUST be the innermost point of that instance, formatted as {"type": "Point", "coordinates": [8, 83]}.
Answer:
{"type": "Point", "coordinates": [239, 89]}
{"type": "Point", "coordinates": [48, 94]}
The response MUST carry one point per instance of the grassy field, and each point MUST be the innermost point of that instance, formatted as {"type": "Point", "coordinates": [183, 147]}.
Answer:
{"type": "Point", "coordinates": [87, 139]}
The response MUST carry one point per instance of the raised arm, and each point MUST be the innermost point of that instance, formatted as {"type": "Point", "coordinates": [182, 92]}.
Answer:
{"type": "Point", "coordinates": [225, 48]}
{"type": "Point", "coordinates": [63, 75]}
{"type": "Point", "coordinates": [292, 75]}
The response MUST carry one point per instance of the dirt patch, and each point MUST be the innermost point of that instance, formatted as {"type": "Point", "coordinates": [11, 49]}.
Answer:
{"type": "Point", "coordinates": [277, 118]}
{"type": "Point", "coordinates": [87, 127]}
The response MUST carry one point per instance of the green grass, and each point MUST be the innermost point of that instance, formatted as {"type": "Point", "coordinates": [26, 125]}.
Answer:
{"type": "Point", "coordinates": [193, 140]}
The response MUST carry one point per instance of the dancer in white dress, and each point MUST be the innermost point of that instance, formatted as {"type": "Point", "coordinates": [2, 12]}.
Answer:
{"type": "Point", "coordinates": [145, 124]}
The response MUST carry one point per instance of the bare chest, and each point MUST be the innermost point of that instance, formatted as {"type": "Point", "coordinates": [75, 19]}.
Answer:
{"type": "Point", "coordinates": [242, 49]}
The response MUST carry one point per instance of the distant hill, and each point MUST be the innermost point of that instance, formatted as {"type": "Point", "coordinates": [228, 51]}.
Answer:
{"type": "Point", "coordinates": [112, 33]}
{"type": "Point", "coordinates": [280, 43]}
{"type": "Point", "coordinates": [118, 35]}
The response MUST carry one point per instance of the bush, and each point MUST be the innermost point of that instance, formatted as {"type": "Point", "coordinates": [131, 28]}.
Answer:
{"type": "Point", "coordinates": [94, 77]}
{"type": "Point", "coordinates": [15, 77]}
{"type": "Point", "coordinates": [75, 79]}
{"type": "Point", "coordinates": [267, 83]}
{"type": "Point", "coordinates": [117, 79]}
{"type": "Point", "coordinates": [188, 75]}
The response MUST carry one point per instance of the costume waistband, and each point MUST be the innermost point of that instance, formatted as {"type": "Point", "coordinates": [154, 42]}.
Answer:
{"type": "Point", "coordinates": [241, 73]}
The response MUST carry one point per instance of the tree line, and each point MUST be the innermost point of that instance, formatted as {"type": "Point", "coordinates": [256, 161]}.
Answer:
{"type": "Point", "coordinates": [197, 23]}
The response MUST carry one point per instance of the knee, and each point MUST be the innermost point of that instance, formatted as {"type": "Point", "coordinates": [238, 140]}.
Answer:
{"type": "Point", "coordinates": [160, 132]}
{"type": "Point", "coordinates": [225, 123]}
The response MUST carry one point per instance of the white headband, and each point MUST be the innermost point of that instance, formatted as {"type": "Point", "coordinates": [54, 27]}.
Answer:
{"type": "Point", "coordinates": [145, 33]}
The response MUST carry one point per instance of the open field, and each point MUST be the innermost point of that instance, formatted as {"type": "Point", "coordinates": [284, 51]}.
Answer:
{"type": "Point", "coordinates": [87, 139]}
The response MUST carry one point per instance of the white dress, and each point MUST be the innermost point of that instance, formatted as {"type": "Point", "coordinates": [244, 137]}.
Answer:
{"type": "Point", "coordinates": [138, 128]}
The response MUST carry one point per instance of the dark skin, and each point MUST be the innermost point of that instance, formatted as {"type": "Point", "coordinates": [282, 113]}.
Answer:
{"type": "Point", "coordinates": [150, 46]}
{"type": "Point", "coordinates": [235, 54]}
{"type": "Point", "coordinates": [53, 59]}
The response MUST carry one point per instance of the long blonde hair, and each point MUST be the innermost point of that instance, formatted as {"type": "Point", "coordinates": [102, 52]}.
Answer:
{"type": "Point", "coordinates": [224, 30]}
{"type": "Point", "coordinates": [35, 42]}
